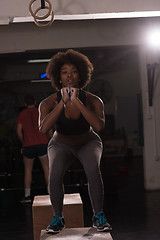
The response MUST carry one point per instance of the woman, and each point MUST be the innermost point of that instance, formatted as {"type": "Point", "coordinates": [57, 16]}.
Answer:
{"type": "Point", "coordinates": [76, 116]}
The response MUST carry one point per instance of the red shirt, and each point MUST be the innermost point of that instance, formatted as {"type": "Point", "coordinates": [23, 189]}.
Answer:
{"type": "Point", "coordinates": [31, 134]}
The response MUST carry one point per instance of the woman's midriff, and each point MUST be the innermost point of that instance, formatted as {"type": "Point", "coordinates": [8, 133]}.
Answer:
{"type": "Point", "coordinates": [72, 140]}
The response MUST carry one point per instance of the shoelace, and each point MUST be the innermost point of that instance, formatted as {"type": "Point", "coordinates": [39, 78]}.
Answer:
{"type": "Point", "coordinates": [55, 220]}
{"type": "Point", "coordinates": [101, 218]}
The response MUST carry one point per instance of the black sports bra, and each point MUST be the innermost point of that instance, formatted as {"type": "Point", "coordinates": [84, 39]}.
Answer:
{"type": "Point", "coordinates": [69, 126]}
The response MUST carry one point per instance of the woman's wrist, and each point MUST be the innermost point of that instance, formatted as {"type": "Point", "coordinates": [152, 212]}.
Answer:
{"type": "Point", "coordinates": [64, 102]}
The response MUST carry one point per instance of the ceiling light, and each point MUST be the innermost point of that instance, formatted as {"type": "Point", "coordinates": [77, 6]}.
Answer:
{"type": "Point", "coordinates": [110, 15]}
{"type": "Point", "coordinates": [4, 20]}
{"type": "Point", "coordinates": [40, 81]}
{"type": "Point", "coordinates": [153, 38]}
{"type": "Point", "coordinates": [38, 60]}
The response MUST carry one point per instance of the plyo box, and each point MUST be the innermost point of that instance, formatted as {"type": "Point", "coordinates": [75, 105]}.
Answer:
{"type": "Point", "coordinates": [42, 212]}
{"type": "Point", "coordinates": [77, 234]}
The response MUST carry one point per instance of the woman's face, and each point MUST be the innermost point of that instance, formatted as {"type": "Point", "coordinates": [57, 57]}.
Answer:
{"type": "Point", "coordinates": [69, 76]}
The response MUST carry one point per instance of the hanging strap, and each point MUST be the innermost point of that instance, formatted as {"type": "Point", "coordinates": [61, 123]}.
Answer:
{"type": "Point", "coordinates": [42, 4]}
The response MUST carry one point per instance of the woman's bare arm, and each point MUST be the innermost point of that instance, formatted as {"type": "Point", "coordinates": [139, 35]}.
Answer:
{"type": "Point", "coordinates": [49, 112]}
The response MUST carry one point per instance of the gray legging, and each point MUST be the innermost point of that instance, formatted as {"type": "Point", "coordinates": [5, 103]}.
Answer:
{"type": "Point", "coordinates": [61, 157]}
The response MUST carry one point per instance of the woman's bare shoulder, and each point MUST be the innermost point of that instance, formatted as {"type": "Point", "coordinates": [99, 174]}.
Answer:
{"type": "Point", "coordinates": [50, 101]}
{"type": "Point", "coordinates": [92, 98]}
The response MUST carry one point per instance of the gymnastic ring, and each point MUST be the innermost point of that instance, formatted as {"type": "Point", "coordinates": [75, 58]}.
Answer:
{"type": "Point", "coordinates": [47, 24]}
{"type": "Point", "coordinates": [43, 17]}
{"type": "Point", "coordinates": [46, 7]}
{"type": "Point", "coordinates": [33, 13]}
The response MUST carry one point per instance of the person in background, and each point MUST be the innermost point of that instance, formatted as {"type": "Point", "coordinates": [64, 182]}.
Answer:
{"type": "Point", "coordinates": [34, 144]}
{"type": "Point", "coordinates": [77, 116]}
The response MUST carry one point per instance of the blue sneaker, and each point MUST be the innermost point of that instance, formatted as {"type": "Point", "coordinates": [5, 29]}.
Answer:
{"type": "Point", "coordinates": [100, 222]}
{"type": "Point", "coordinates": [56, 225]}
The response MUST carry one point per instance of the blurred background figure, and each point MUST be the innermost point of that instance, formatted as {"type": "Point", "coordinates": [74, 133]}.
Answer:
{"type": "Point", "coordinates": [34, 144]}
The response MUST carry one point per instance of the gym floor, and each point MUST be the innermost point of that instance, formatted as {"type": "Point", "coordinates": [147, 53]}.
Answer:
{"type": "Point", "coordinates": [133, 212]}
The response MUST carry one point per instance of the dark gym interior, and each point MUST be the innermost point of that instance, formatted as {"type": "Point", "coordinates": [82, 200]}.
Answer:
{"type": "Point", "coordinates": [133, 212]}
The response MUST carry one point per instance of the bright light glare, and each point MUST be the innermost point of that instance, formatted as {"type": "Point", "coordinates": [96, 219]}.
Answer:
{"type": "Point", "coordinates": [154, 39]}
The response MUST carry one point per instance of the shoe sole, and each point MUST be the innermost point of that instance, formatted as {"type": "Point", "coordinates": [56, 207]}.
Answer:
{"type": "Point", "coordinates": [52, 231]}
{"type": "Point", "coordinates": [26, 201]}
{"type": "Point", "coordinates": [102, 230]}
